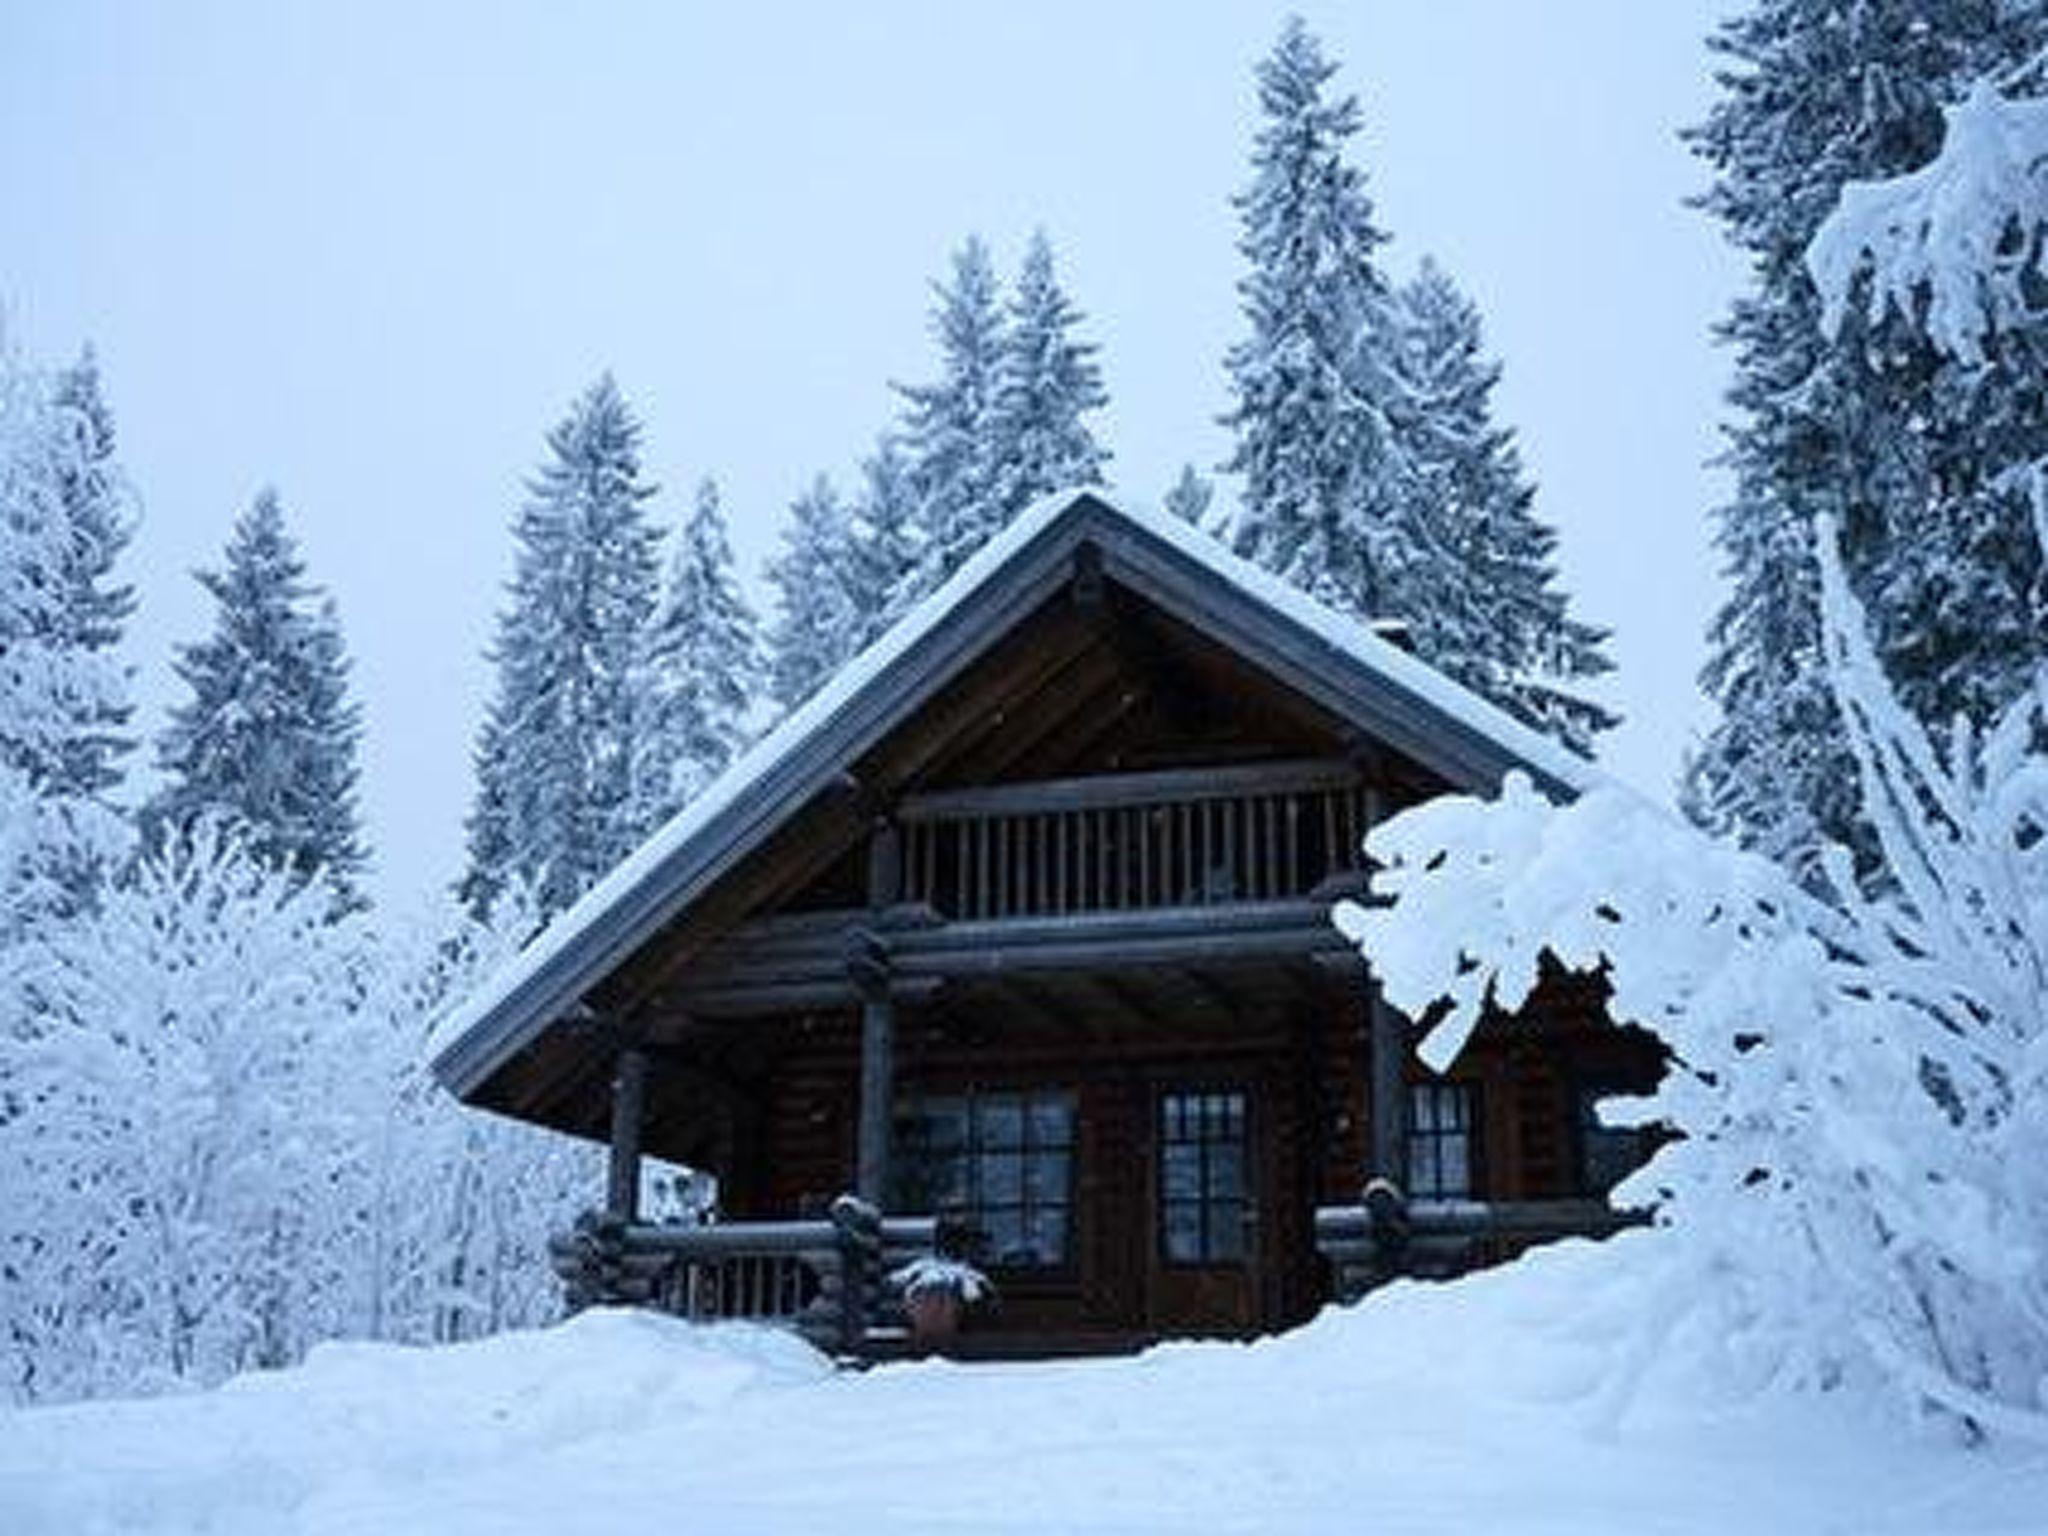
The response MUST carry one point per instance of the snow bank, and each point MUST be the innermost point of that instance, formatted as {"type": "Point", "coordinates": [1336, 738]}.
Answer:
{"type": "Point", "coordinates": [1483, 1405]}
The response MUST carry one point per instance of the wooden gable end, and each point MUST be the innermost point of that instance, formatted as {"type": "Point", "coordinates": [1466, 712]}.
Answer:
{"type": "Point", "coordinates": [1096, 683]}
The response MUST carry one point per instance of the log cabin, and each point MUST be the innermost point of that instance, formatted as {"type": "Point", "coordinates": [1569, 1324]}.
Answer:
{"type": "Point", "coordinates": [1016, 938]}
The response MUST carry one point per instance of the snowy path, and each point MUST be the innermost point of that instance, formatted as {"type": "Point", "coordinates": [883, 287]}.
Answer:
{"type": "Point", "coordinates": [1477, 1407]}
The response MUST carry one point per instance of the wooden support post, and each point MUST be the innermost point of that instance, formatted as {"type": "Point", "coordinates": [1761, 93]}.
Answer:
{"type": "Point", "coordinates": [877, 1092]}
{"type": "Point", "coordinates": [1389, 1050]}
{"type": "Point", "coordinates": [629, 1112]}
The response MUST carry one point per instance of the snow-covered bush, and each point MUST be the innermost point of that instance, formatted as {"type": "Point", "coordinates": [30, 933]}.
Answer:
{"type": "Point", "coordinates": [222, 1144]}
{"type": "Point", "coordinates": [1861, 1078]}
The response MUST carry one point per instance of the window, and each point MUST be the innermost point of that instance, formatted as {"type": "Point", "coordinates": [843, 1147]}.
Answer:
{"type": "Point", "coordinates": [1202, 1192]}
{"type": "Point", "coordinates": [1001, 1164]}
{"type": "Point", "coordinates": [1441, 1133]}
{"type": "Point", "coordinates": [1607, 1153]}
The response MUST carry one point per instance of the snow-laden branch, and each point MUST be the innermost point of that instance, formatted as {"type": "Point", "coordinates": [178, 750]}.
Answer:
{"type": "Point", "coordinates": [1963, 234]}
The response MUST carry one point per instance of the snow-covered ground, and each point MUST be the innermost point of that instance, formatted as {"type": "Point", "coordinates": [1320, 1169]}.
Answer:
{"type": "Point", "coordinates": [1483, 1406]}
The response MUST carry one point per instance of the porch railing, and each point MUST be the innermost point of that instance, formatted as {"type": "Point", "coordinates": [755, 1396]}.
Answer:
{"type": "Point", "coordinates": [822, 1278]}
{"type": "Point", "coordinates": [1125, 842]}
{"type": "Point", "coordinates": [1388, 1235]}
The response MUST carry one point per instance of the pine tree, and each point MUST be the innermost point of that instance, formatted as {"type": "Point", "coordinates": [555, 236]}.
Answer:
{"type": "Point", "coordinates": [884, 554]}
{"type": "Point", "coordinates": [97, 504]}
{"type": "Point", "coordinates": [1326, 497]}
{"type": "Point", "coordinates": [949, 427]}
{"type": "Point", "coordinates": [1049, 382]}
{"type": "Point", "coordinates": [58, 688]}
{"type": "Point", "coordinates": [701, 664]}
{"type": "Point", "coordinates": [817, 626]}
{"type": "Point", "coordinates": [555, 806]}
{"type": "Point", "coordinates": [265, 746]}
{"type": "Point", "coordinates": [1189, 496]}
{"type": "Point", "coordinates": [1866, 426]}
{"type": "Point", "coordinates": [1485, 607]}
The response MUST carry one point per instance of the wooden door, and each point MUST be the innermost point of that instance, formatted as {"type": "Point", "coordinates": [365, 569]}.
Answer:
{"type": "Point", "coordinates": [1204, 1235]}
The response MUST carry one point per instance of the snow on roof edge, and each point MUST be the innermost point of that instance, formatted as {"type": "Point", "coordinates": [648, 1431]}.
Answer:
{"type": "Point", "coordinates": [1348, 635]}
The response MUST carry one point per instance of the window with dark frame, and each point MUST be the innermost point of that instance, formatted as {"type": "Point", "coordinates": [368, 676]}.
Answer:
{"type": "Point", "coordinates": [1204, 1195]}
{"type": "Point", "coordinates": [999, 1164]}
{"type": "Point", "coordinates": [1442, 1140]}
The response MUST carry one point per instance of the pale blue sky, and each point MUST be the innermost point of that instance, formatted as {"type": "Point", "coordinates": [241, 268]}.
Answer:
{"type": "Point", "coordinates": [369, 254]}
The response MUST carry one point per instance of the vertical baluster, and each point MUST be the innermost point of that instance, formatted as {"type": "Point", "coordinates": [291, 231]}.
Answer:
{"type": "Point", "coordinates": [1059, 861]}
{"type": "Point", "coordinates": [1187, 853]}
{"type": "Point", "coordinates": [1291, 842]}
{"type": "Point", "coordinates": [1146, 897]}
{"type": "Point", "coordinates": [1205, 817]}
{"type": "Point", "coordinates": [981, 866]}
{"type": "Point", "coordinates": [1101, 862]}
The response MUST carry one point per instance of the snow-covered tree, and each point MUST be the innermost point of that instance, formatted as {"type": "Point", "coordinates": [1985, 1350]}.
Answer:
{"type": "Point", "coordinates": [949, 432]}
{"type": "Point", "coordinates": [1326, 489]}
{"type": "Point", "coordinates": [175, 1096]}
{"type": "Point", "coordinates": [1049, 382]}
{"type": "Point", "coordinates": [884, 553]}
{"type": "Point", "coordinates": [1858, 1073]}
{"type": "Point", "coordinates": [60, 689]}
{"type": "Point", "coordinates": [701, 665]}
{"type": "Point", "coordinates": [1859, 1065]}
{"type": "Point", "coordinates": [1484, 604]}
{"type": "Point", "coordinates": [1865, 425]}
{"type": "Point", "coordinates": [266, 741]}
{"type": "Point", "coordinates": [224, 1144]}
{"type": "Point", "coordinates": [1189, 496]}
{"type": "Point", "coordinates": [817, 626]}
{"type": "Point", "coordinates": [99, 508]}
{"type": "Point", "coordinates": [556, 755]}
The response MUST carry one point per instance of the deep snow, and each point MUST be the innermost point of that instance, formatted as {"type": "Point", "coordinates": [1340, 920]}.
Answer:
{"type": "Point", "coordinates": [1488, 1405]}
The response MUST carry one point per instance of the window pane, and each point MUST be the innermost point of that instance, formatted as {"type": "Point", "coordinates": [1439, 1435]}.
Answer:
{"type": "Point", "coordinates": [1454, 1175]}
{"type": "Point", "coordinates": [1226, 1171]}
{"type": "Point", "coordinates": [1048, 1176]}
{"type": "Point", "coordinates": [1226, 1231]}
{"type": "Point", "coordinates": [1183, 1172]}
{"type": "Point", "coordinates": [1002, 1178]}
{"type": "Point", "coordinates": [1001, 1122]}
{"type": "Point", "coordinates": [1052, 1122]}
{"type": "Point", "coordinates": [1004, 1230]}
{"type": "Point", "coordinates": [1048, 1238]}
{"type": "Point", "coordinates": [1183, 1233]}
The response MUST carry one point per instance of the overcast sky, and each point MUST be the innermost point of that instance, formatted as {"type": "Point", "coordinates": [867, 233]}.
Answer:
{"type": "Point", "coordinates": [369, 254]}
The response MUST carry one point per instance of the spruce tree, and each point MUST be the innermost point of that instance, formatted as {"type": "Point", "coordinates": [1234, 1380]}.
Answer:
{"type": "Point", "coordinates": [1485, 607]}
{"type": "Point", "coordinates": [60, 690]}
{"type": "Point", "coordinates": [98, 507]}
{"type": "Point", "coordinates": [817, 627]}
{"type": "Point", "coordinates": [701, 663]}
{"type": "Point", "coordinates": [1189, 496]}
{"type": "Point", "coordinates": [1049, 382]}
{"type": "Point", "coordinates": [1326, 495]}
{"type": "Point", "coordinates": [883, 559]}
{"type": "Point", "coordinates": [555, 804]}
{"type": "Point", "coordinates": [264, 747]}
{"type": "Point", "coordinates": [1866, 426]}
{"type": "Point", "coordinates": [949, 429]}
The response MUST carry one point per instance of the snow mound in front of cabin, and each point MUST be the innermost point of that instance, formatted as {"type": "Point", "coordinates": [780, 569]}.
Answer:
{"type": "Point", "coordinates": [1547, 1396]}
{"type": "Point", "coordinates": [269, 1447]}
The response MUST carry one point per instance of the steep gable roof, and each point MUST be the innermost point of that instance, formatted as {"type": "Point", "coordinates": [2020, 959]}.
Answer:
{"type": "Point", "coordinates": [1334, 660]}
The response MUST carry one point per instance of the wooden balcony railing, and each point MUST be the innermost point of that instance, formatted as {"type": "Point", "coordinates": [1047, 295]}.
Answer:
{"type": "Point", "coordinates": [1126, 842]}
{"type": "Point", "coordinates": [1388, 1235]}
{"type": "Point", "coordinates": [822, 1278]}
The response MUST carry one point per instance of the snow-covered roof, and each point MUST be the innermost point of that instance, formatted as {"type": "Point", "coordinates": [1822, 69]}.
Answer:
{"type": "Point", "coordinates": [1334, 657]}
